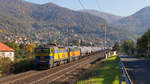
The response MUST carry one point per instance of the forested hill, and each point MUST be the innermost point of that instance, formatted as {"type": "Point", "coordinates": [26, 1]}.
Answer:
{"type": "Point", "coordinates": [110, 18]}
{"type": "Point", "coordinates": [50, 21]}
{"type": "Point", "coordinates": [139, 22]}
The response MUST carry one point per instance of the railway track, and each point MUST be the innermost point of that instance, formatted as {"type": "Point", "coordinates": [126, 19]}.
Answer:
{"type": "Point", "coordinates": [50, 75]}
{"type": "Point", "coordinates": [15, 76]}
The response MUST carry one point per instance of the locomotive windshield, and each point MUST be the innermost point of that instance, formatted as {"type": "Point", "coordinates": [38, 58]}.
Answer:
{"type": "Point", "coordinates": [42, 50]}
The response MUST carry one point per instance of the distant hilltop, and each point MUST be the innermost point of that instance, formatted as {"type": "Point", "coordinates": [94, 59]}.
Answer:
{"type": "Point", "coordinates": [52, 22]}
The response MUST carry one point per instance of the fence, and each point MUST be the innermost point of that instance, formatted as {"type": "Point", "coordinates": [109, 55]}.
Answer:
{"type": "Point", "coordinates": [123, 74]}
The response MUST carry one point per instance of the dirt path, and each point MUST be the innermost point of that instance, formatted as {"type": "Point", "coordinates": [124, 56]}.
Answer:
{"type": "Point", "coordinates": [138, 69]}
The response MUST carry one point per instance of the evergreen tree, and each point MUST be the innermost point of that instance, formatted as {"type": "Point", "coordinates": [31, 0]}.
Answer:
{"type": "Point", "coordinates": [116, 47]}
{"type": "Point", "coordinates": [143, 44]}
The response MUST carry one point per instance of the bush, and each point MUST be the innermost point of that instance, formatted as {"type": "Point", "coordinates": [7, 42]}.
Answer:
{"type": "Point", "coordinates": [22, 65]}
{"type": "Point", "coordinates": [5, 66]}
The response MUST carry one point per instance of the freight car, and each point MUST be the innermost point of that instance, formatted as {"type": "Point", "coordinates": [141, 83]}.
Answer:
{"type": "Point", "coordinates": [74, 53]}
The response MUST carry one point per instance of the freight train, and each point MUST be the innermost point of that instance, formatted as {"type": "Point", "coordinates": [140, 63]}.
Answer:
{"type": "Point", "coordinates": [49, 56]}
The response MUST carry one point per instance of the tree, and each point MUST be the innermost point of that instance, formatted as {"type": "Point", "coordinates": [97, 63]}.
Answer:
{"type": "Point", "coordinates": [29, 47]}
{"type": "Point", "coordinates": [21, 46]}
{"type": "Point", "coordinates": [76, 42]}
{"type": "Point", "coordinates": [29, 50]}
{"type": "Point", "coordinates": [143, 44]}
{"type": "Point", "coordinates": [116, 47]}
{"type": "Point", "coordinates": [0, 71]}
{"type": "Point", "coordinates": [129, 47]}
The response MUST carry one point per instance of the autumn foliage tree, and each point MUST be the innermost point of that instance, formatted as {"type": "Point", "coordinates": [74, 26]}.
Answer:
{"type": "Point", "coordinates": [26, 62]}
{"type": "Point", "coordinates": [29, 50]}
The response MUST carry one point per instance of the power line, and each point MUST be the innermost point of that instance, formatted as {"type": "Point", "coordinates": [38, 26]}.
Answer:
{"type": "Point", "coordinates": [81, 4]}
{"type": "Point", "coordinates": [105, 27]}
{"type": "Point", "coordinates": [148, 43]}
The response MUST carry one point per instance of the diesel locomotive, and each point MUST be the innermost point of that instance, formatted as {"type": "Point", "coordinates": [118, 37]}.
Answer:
{"type": "Point", "coordinates": [50, 55]}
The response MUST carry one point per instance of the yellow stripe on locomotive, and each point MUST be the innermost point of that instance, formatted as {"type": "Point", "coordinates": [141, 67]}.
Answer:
{"type": "Point", "coordinates": [60, 54]}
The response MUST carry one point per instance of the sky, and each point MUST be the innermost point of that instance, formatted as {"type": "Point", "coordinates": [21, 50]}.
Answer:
{"type": "Point", "coordinates": [117, 7]}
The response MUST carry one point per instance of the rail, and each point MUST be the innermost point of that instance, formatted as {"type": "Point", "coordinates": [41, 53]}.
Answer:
{"type": "Point", "coordinates": [123, 74]}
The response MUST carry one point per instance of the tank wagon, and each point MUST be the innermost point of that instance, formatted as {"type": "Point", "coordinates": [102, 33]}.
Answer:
{"type": "Point", "coordinates": [51, 55]}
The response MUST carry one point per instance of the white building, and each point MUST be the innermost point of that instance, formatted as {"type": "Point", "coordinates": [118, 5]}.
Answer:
{"type": "Point", "coordinates": [6, 51]}
{"type": "Point", "coordinates": [114, 52]}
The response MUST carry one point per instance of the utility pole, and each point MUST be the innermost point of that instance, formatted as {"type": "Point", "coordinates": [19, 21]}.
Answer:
{"type": "Point", "coordinates": [105, 38]}
{"type": "Point", "coordinates": [148, 43]}
{"type": "Point", "coordinates": [67, 36]}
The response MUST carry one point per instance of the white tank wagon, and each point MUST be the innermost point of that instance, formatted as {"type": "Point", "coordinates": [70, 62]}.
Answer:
{"type": "Point", "coordinates": [88, 50]}
{"type": "Point", "coordinates": [96, 49]}
{"type": "Point", "coordinates": [83, 51]}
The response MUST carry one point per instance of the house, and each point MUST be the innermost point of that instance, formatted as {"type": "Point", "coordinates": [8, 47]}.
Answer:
{"type": "Point", "coordinates": [6, 51]}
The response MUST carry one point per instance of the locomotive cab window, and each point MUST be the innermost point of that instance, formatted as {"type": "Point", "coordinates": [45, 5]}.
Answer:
{"type": "Point", "coordinates": [42, 50]}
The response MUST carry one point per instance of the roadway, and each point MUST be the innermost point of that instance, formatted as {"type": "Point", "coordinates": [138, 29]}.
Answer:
{"type": "Point", "coordinates": [138, 69]}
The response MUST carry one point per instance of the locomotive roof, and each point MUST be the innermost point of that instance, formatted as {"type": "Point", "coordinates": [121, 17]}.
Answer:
{"type": "Point", "coordinates": [46, 46]}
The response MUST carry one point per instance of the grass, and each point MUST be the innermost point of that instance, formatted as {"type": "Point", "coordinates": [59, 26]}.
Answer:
{"type": "Point", "coordinates": [104, 72]}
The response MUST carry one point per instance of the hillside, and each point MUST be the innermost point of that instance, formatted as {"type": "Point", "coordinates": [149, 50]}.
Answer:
{"type": "Point", "coordinates": [110, 18]}
{"type": "Point", "coordinates": [52, 22]}
{"type": "Point", "coordinates": [138, 22]}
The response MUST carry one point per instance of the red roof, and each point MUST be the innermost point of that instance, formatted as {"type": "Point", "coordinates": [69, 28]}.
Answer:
{"type": "Point", "coordinates": [5, 48]}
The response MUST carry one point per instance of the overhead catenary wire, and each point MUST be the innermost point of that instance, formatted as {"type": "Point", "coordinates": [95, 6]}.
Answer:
{"type": "Point", "coordinates": [104, 26]}
{"type": "Point", "coordinates": [105, 33]}
{"type": "Point", "coordinates": [84, 8]}
{"type": "Point", "coordinates": [81, 4]}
